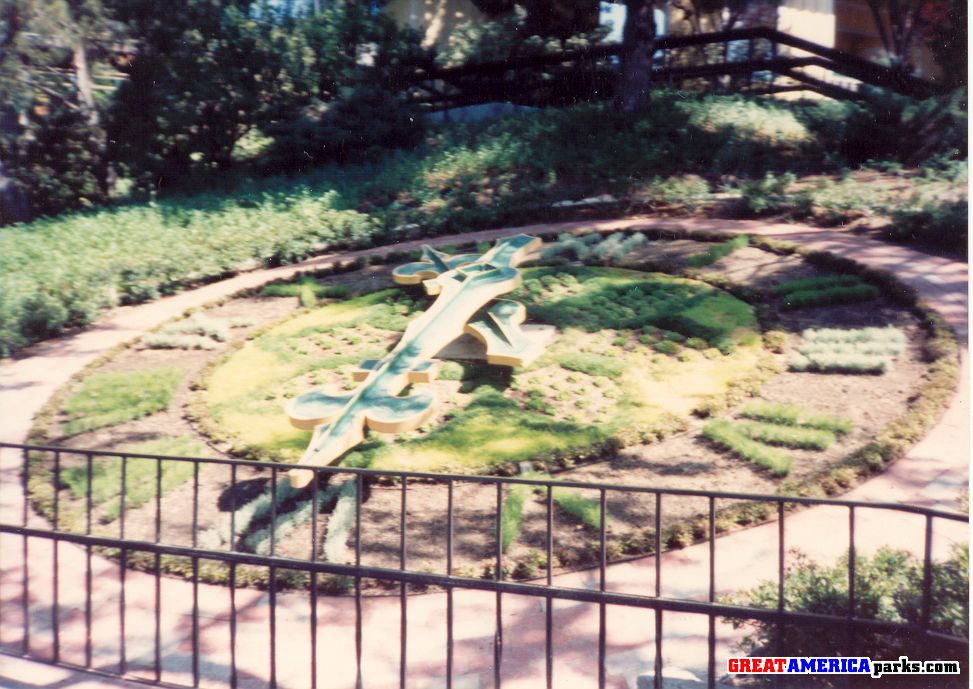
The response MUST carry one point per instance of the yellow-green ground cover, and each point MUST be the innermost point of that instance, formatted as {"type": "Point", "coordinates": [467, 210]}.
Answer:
{"type": "Point", "coordinates": [634, 353]}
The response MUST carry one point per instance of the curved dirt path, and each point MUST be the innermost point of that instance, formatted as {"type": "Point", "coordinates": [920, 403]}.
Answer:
{"type": "Point", "coordinates": [934, 473]}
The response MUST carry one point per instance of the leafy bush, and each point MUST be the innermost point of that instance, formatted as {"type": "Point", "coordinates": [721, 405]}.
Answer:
{"type": "Point", "coordinates": [726, 435]}
{"type": "Point", "coordinates": [109, 399]}
{"type": "Point", "coordinates": [940, 223]}
{"type": "Point", "coordinates": [888, 587]}
{"type": "Point", "coordinates": [826, 362]}
{"type": "Point", "coordinates": [793, 415]}
{"type": "Point", "coordinates": [718, 251]}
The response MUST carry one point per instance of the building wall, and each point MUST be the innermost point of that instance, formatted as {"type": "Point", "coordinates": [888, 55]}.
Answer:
{"type": "Point", "coordinates": [435, 19]}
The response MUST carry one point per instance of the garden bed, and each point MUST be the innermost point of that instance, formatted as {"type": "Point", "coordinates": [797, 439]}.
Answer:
{"type": "Point", "coordinates": [231, 390]}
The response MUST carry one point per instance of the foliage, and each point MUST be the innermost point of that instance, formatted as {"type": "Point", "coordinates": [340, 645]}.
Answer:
{"type": "Point", "coordinates": [60, 273]}
{"type": "Point", "coordinates": [140, 474]}
{"type": "Point", "coordinates": [593, 365]}
{"type": "Point", "coordinates": [512, 513]}
{"type": "Point", "coordinates": [816, 283]}
{"type": "Point", "coordinates": [340, 522]}
{"type": "Point", "coordinates": [305, 288]}
{"type": "Point", "coordinates": [794, 415]}
{"type": "Point", "coordinates": [109, 399]}
{"type": "Point", "coordinates": [718, 251]}
{"type": "Point", "coordinates": [863, 350]}
{"type": "Point", "coordinates": [787, 436]}
{"type": "Point", "coordinates": [726, 435]}
{"type": "Point", "coordinates": [584, 509]}
{"type": "Point", "coordinates": [888, 587]}
{"type": "Point", "coordinates": [937, 222]}
{"type": "Point", "coordinates": [829, 296]}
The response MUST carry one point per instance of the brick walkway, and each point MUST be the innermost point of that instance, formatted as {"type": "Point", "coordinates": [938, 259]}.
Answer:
{"type": "Point", "coordinates": [933, 474]}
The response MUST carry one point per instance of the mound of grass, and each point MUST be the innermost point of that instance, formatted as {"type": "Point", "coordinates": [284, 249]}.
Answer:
{"type": "Point", "coordinates": [584, 509]}
{"type": "Point", "coordinates": [865, 350]}
{"type": "Point", "coordinates": [140, 474]}
{"type": "Point", "coordinates": [793, 415]}
{"type": "Point", "coordinates": [109, 399]}
{"type": "Point", "coordinates": [512, 514]}
{"type": "Point", "coordinates": [593, 365]}
{"type": "Point", "coordinates": [727, 436]}
{"type": "Point", "coordinates": [816, 283]}
{"type": "Point", "coordinates": [718, 251]}
{"type": "Point", "coordinates": [787, 436]}
{"type": "Point", "coordinates": [830, 296]}
{"type": "Point", "coordinates": [305, 288]}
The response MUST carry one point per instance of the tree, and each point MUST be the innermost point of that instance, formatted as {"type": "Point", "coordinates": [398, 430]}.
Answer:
{"type": "Point", "coordinates": [202, 79]}
{"type": "Point", "coordinates": [945, 32]}
{"type": "Point", "coordinates": [898, 23]}
{"type": "Point", "coordinates": [638, 45]}
{"type": "Point", "coordinates": [52, 147]}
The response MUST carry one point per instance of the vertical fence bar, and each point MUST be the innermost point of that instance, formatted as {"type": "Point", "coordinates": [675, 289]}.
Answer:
{"type": "Point", "coordinates": [55, 579]}
{"type": "Point", "coordinates": [780, 556]}
{"type": "Point", "coordinates": [122, 567]}
{"type": "Point", "coordinates": [657, 681]}
{"type": "Point", "coordinates": [272, 572]}
{"type": "Point", "coordinates": [233, 672]}
{"type": "Point", "coordinates": [195, 622]}
{"type": "Point", "coordinates": [233, 507]}
{"type": "Point", "coordinates": [602, 573]}
{"type": "Point", "coordinates": [158, 572]}
{"type": "Point", "coordinates": [927, 576]}
{"type": "Point", "coordinates": [403, 611]}
{"type": "Point", "coordinates": [711, 638]}
{"type": "Point", "coordinates": [851, 562]}
{"type": "Point", "coordinates": [449, 589]}
{"type": "Point", "coordinates": [314, 579]}
{"type": "Point", "coordinates": [498, 576]}
{"type": "Point", "coordinates": [549, 607]}
{"type": "Point", "coordinates": [25, 589]}
{"type": "Point", "coordinates": [358, 600]}
{"type": "Point", "coordinates": [89, 470]}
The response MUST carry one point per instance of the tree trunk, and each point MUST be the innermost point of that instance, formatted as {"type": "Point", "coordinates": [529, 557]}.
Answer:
{"type": "Point", "coordinates": [638, 39]}
{"type": "Point", "coordinates": [13, 205]}
{"type": "Point", "coordinates": [86, 87]}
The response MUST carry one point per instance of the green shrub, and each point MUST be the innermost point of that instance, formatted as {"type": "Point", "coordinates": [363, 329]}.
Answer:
{"type": "Point", "coordinates": [829, 296]}
{"type": "Point", "coordinates": [769, 195]}
{"type": "Point", "coordinates": [718, 251]}
{"type": "Point", "coordinates": [793, 415]}
{"type": "Point", "coordinates": [727, 436]}
{"type": "Point", "coordinates": [109, 399]}
{"type": "Point", "coordinates": [888, 586]}
{"type": "Point", "coordinates": [666, 347]}
{"type": "Point", "coordinates": [936, 222]}
{"type": "Point", "coordinates": [788, 436]}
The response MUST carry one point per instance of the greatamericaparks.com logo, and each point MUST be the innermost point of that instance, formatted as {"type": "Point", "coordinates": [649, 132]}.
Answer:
{"type": "Point", "coordinates": [791, 665]}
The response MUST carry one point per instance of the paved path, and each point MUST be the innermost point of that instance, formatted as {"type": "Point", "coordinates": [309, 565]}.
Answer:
{"type": "Point", "coordinates": [933, 474]}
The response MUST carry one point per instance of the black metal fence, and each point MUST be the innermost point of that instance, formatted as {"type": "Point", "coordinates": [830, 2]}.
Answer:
{"type": "Point", "coordinates": [80, 541]}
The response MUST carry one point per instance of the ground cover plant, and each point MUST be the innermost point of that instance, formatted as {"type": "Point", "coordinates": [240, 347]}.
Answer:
{"type": "Point", "coordinates": [107, 399]}
{"type": "Point", "coordinates": [718, 251]}
{"type": "Point", "coordinates": [58, 273]}
{"type": "Point", "coordinates": [578, 386]}
{"type": "Point", "coordinates": [729, 436]}
{"type": "Point", "coordinates": [595, 386]}
{"type": "Point", "coordinates": [827, 290]}
{"type": "Point", "coordinates": [864, 350]}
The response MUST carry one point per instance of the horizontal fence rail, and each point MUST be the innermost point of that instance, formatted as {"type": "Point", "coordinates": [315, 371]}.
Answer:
{"type": "Point", "coordinates": [757, 54]}
{"type": "Point", "coordinates": [68, 598]}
